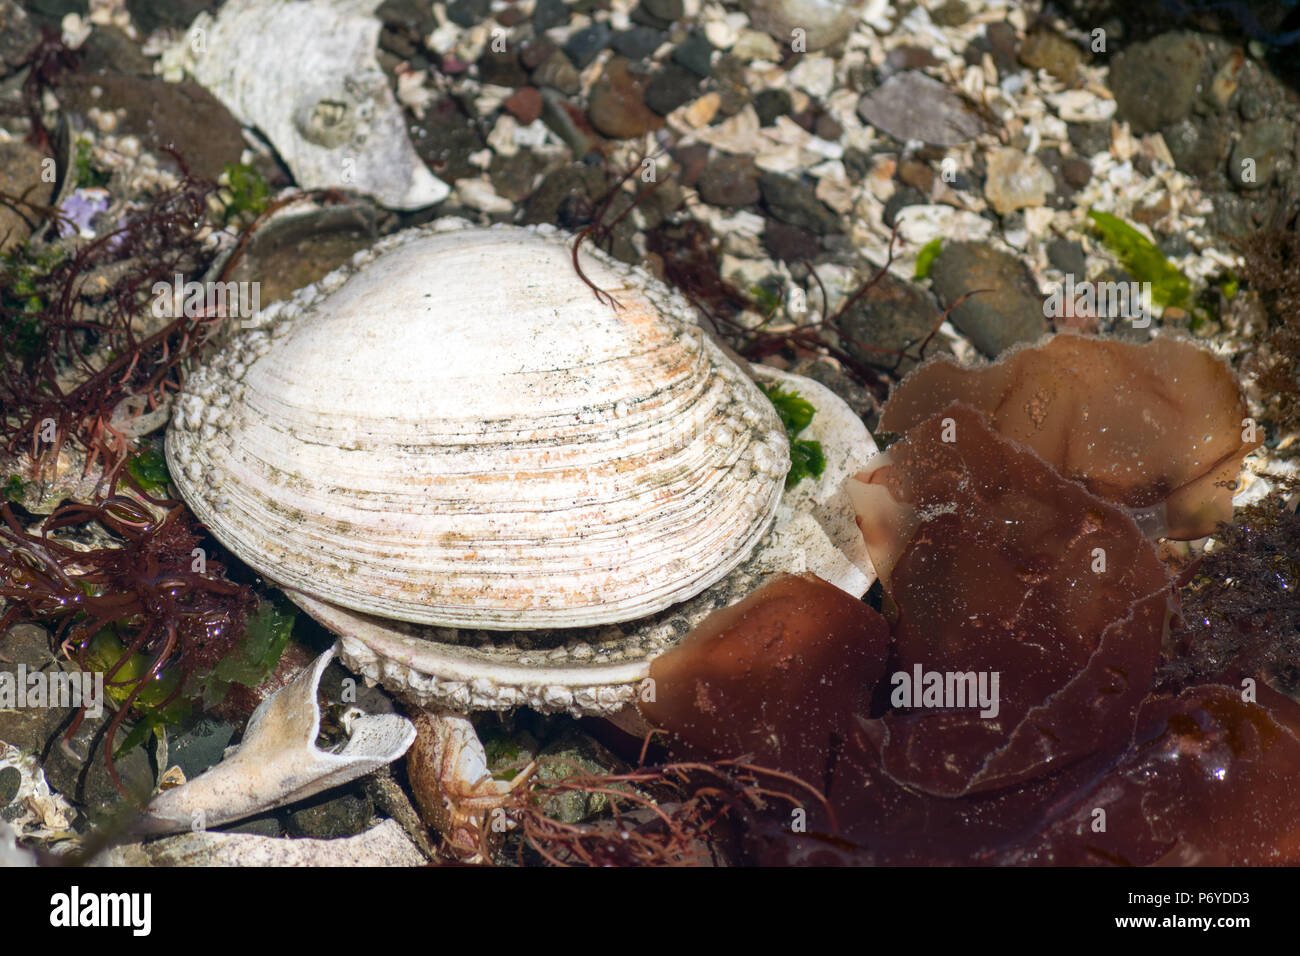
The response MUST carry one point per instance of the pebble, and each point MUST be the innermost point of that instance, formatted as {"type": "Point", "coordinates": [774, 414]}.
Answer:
{"type": "Point", "coordinates": [892, 314]}
{"type": "Point", "coordinates": [670, 88]}
{"type": "Point", "coordinates": [617, 107]}
{"type": "Point", "coordinates": [501, 68]}
{"type": "Point", "coordinates": [533, 52]}
{"type": "Point", "coordinates": [638, 42]}
{"type": "Point", "coordinates": [568, 185]}
{"type": "Point", "coordinates": [17, 35]}
{"type": "Point", "coordinates": [1048, 50]}
{"type": "Point", "coordinates": [769, 104]}
{"type": "Point", "coordinates": [1067, 255]}
{"type": "Point", "coordinates": [952, 13]}
{"type": "Point", "coordinates": [789, 243]}
{"type": "Point", "coordinates": [584, 44]}
{"type": "Point", "coordinates": [558, 73]}
{"type": "Point", "coordinates": [1089, 139]}
{"type": "Point", "coordinates": [1002, 41]}
{"type": "Point", "coordinates": [467, 13]}
{"type": "Point", "coordinates": [795, 203]}
{"type": "Point", "coordinates": [513, 176]}
{"type": "Point", "coordinates": [1011, 312]}
{"type": "Point", "coordinates": [328, 817]}
{"type": "Point", "coordinates": [525, 104]}
{"type": "Point", "coordinates": [200, 746]}
{"type": "Point", "coordinates": [150, 15]}
{"type": "Point", "coordinates": [730, 181]}
{"type": "Point", "coordinates": [902, 198]}
{"type": "Point", "coordinates": [911, 106]}
{"type": "Point", "coordinates": [696, 54]}
{"type": "Point", "coordinates": [909, 57]}
{"type": "Point", "coordinates": [21, 170]}
{"type": "Point", "coordinates": [1015, 180]}
{"type": "Point", "coordinates": [548, 14]}
{"type": "Point", "coordinates": [444, 138]}
{"type": "Point", "coordinates": [669, 10]}
{"type": "Point", "coordinates": [1156, 83]}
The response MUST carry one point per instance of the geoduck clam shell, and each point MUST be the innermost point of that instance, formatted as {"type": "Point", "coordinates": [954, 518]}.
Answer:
{"type": "Point", "coordinates": [454, 431]}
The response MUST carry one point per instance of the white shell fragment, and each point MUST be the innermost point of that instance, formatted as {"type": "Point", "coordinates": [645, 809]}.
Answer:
{"type": "Point", "coordinates": [596, 671]}
{"type": "Point", "coordinates": [278, 761]}
{"type": "Point", "coordinates": [454, 430]}
{"type": "Point", "coordinates": [306, 75]}
{"type": "Point", "coordinates": [384, 844]}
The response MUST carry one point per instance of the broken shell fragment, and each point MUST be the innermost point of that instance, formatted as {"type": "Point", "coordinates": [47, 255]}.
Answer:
{"type": "Point", "coordinates": [278, 761]}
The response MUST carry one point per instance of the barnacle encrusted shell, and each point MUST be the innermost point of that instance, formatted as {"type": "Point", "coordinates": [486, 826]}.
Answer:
{"type": "Point", "coordinates": [453, 430]}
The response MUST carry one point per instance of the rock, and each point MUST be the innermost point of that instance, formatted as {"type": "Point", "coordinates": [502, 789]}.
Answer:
{"type": "Point", "coordinates": [183, 116]}
{"type": "Point", "coordinates": [500, 68]}
{"type": "Point", "coordinates": [820, 23]}
{"type": "Point", "coordinates": [617, 108]}
{"type": "Point", "coordinates": [911, 106]}
{"type": "Point", "coordinates": [513, 176]}
{"type": "Point", "coordinates": [569, 123]}
{"type": "Point", "coordinates": [730, 181]}
{"type": "Point", "coordinates": [568, 185]}
{"type": "Point", "coordinates": [329, 817]}
{"type": "Point", "coordinates": [1048, 50]}
{"type": "Point", "coordinates": [444, 138]}
{"type": "Point", "coordinates": [1156, 83]}
{"type": "Point", "coordinates": [1200, 144]}
{"type": "Point", "coordinates": [574, 754]}
{"type": "Point", "coordinates": [910, 58]}
{"type": "Point", "coordinates": [550, 13]}
{"type": "Point", "coordinates": [584, 44]}
{"type": "Point", "coordinates": [150, 15]}
{"type": "Point", "coordinates": [412, 18]}
{"type": "Point", "coordinates": [1010, 312]}
{"type": "Point", "coordinates": [903, 197]}
{"type": "Point", "coordinates": [789, 243]}
{"type": "Point", "coordinates": [532, 53]}
{"type": "Point", "coordinates": [669, 10]}
{"type": "Point", "coordinates": [200, 746]}
{"type": "Point", "coordinates": [1003, 43]}
{"type": "Point", "coordinates": [1264, 149]}
{"type": "Point", "coordinates": [892, 314]}
{"type": "Point", "coordinates": [696, 54]}
{"type": "Point", "coordinates": [17, 36]}
{"type": "Point", "coordinates": [952, 13]}
{"type": "Point", "coordinates": [769, 104]}
{"type": "Point", "coordinates": [670, 88]}
{"type": "Point", "coordinates": [525, 104]}
{"type": "Point", "coordinates": [467, 13]}
{"type": "Point", "coordinates": [109, 50]}
{"type": "Point", "coordinates": [794, 202]}
{"type": "Point", "coordinates": [829, 373]}
{"type": "Point", "coordinates": [1067, 255]}
{"type": "Point", "coordinates": [638, 42]}
{"type": "Point", "coordinates": [1089, 139]}
{"type": "Point", "coordinates": [11, 779]}
{"type": "Point", "coordinates": [558, 73]}
{"type": "Point", "coordinates": [21, 169]}
{"type": "Point", "coordinates": [732, 84]}
{"type": "Point", "coordinates": [1015, 180]}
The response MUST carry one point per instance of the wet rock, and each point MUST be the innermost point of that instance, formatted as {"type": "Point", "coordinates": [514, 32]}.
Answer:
{"type": "Point", "coordinates": [669, 10]}
{"type": "Point", "coordinates": [575, 754]}
{"type": "Point", "coordinates": [328, 818]}
{"type": "Point", "coordinates": [532, 53]}
{"type": "Point", "coordinates": [525, 104]}
{"type": "Point", "coordinates": [109, 50]}
{"type": "Point", "coordinates": [952, 13]}
{"type": "Point", "coordinates": [902, 198]}
{"type": "Point", "coordinates": [569, 123]}
{"type": "Point", "coordinates": [617, 108]}
{"type": "Point", "coordinates": [1010, 312]}
{"type": "Point", "coordinates": [567, 186]}
{"type": "Point", "coordinates": [1265, 148]}
{"type": "Point", "coordinates": [1156, 83]}
{"type": "Point", "coordinates": [829, 373]}
{"type": "Point", "coordinates": [1048, 50]}
{"type": "Point", "coordinates": [670, 88]}
{"type": "Point", "coordinates": [769, 104]}
{"type": "Point", "coordinates": [911, 106]}
{"type": "Point", "coordinates": [183, 116]}
{"type": "Point", "coordinates": [558, 73]}
{"type": "Point", "coordinates": [412, 18]}
{"type": "Point", "coordinates": [11, 779]}
{"type": "Point", "coordinates": [467, 13]}
{"type": "Point", "coordinates": [21, 175]}
{"type": "Point", "coordinates": [150, 15]}
{"type": "Point", "coordinates": [513, 176]}
{"type": "Point", "coordinates": [1003, 41]}
{"type": "Point", "coordinates": [733, 86]}
{"type": "Point", "coordinates": [1067, 255]}
{"type": "Point", "coordinates": [730, 181]}
{"type": "Point", "coordinates": [638, 42]}
{"type": "Point", "coordinates": [550, 13]}
{"type": "Point", "coordinates": [789, 243]}
{"type": "Point", "coordinates": [892, 314]}
{"type": "Point", "coordinates": [200, 746]}
{"type": "Point", "coordinates": [910, 58]}
{"type": "Point", "coordinates": [444, 138]}
{"type": "Point", "coordinates": [501, 68]}
{"type": "Point", "coordinates": [1089, 139]}
{"type": "Point", "coordinates": [17, 35]}
{"type": "Point", "coordinates": [794, 202]}
{"type": "Point", "coordinates": [583, 45]}
{"type": "Point", "coordinates": [1015, 180]}
{"type": "Point", "coordinates": [696, 54]}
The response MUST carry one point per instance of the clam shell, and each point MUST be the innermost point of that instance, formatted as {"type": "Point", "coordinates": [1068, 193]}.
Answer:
{"type": "Point", "coordinates": [453, 430]}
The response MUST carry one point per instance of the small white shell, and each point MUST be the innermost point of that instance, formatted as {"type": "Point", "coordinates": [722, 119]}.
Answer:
{"type": "Point", "coordinates": [455, 431]}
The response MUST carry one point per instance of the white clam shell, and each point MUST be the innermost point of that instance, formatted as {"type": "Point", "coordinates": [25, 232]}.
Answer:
{"type": "Point", "coordinates": [454, 430]}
